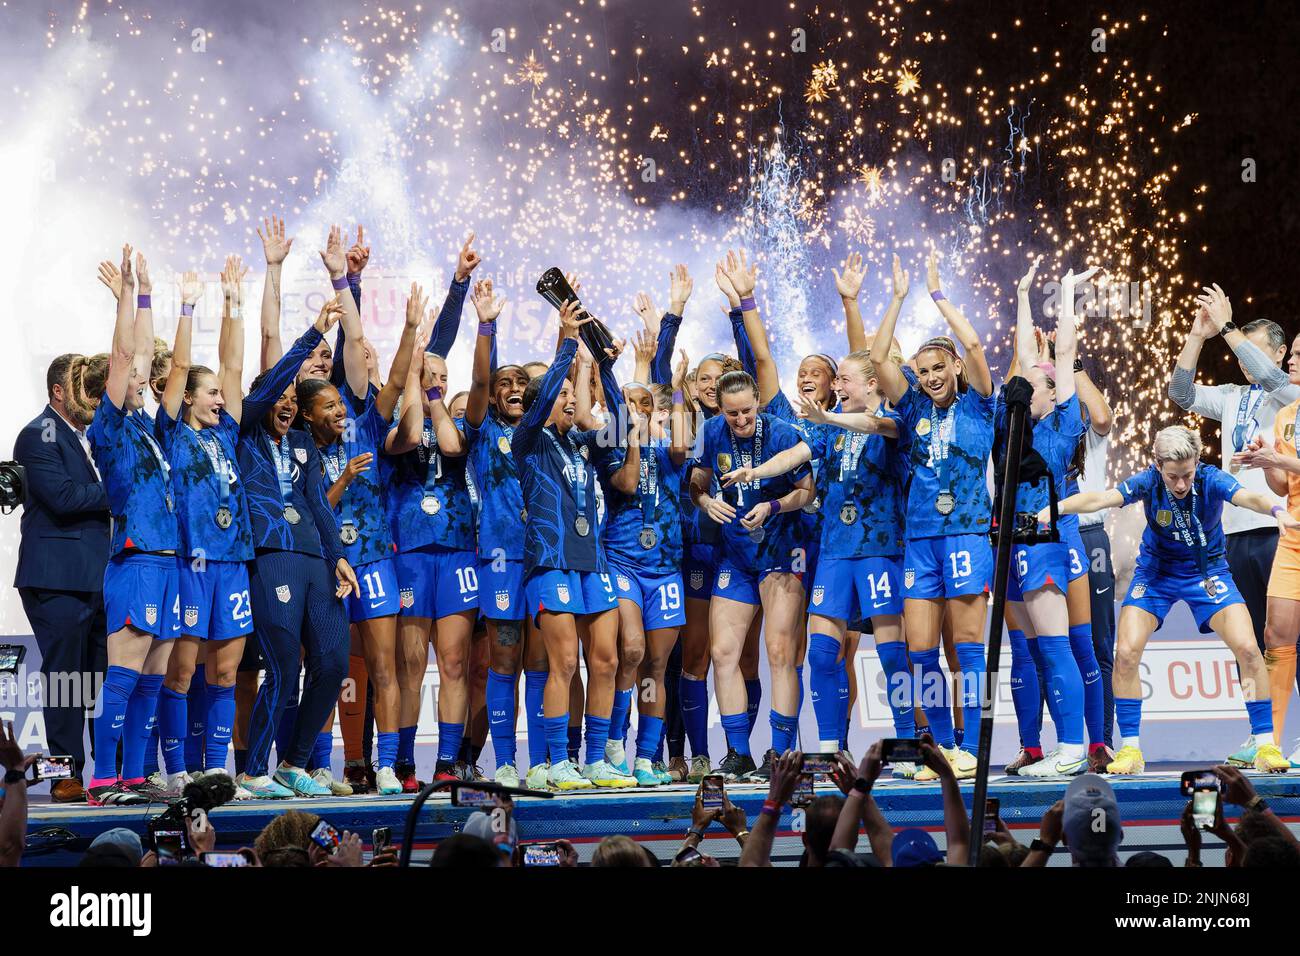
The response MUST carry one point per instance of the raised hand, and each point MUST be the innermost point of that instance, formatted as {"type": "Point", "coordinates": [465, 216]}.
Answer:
{"type": "Point", "coordinates": [111, 277]}
{"type": "Point", "coordinates": [275, 247]}
{"type": "Point", "coordinates": [128, 276]}
{"type": "Point", "coordinates": [330, 313]}
{"type": "Point", "coordinates": [811, 409]}
{"type": "Point", "coordinates": [646, 310]}
{"type": "Point", "coordinates": [416, 304]}
{"type": "Point", "coordinates": [358, 253]}
{"type": "Point", "coordinates": [681, 371]}
{"type": "Point", "coordinates": [742, 273]}
{"type": "Point", "coordinates": [901, 280]}
{"type": "Point", "coordinates": [357, 465]}
{"type": "Point", "coordinates": [336, 261]}
{"type": "Point", "coordinates": [232, 282]}
{"type": "Point", "coordinates": [1027, 280]}
{"type": "Point", "coordinates": [644, 347]}
{"type": "Point", "coordinates": [569, 320]}
{"type": "Point", "coordinates": [142, 274]}
{"type": "Point", "coordinates": [485, 302]}
{"type": "Point", "coordinates": [1203, 325]}
{"type": "Point", "coordinates": [468, 260]}
{"type": "Point", "coordinates": [1214, 301]}
{"type": "Point", "coordinates": [191, 288]}
{"type": "Point", "coordinates": [680, 287]}
{"type": "Point", "coordinates": [849, 282]}
{"type": "Point", "coordinates": [724, 284]}
{"type": "Point", "coordinates": [932, 271]}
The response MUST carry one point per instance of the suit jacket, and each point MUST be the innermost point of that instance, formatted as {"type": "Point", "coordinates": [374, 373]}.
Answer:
{"type": "Point", "coordinates": [65, 522]}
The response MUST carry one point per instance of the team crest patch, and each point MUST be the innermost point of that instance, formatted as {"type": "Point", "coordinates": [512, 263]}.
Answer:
{"type": "Point", "coordinates": [1163, 518]}
{"type": "Point", "coordinates": [839, 443]}
{"type": "Point", "coordinates": [151, 614]}
{"type": "Point", "coordinates": [282, 592]}
{"type": "Point", "coordinates": [503, 445]}
{"type": "Point", "coordinates": [818, 594]}
{"type": "Point", "coordinates": [909, 578]}
{"type": "Point", "coordinates": [724, 579]}
{"type": "Point", "coordinates": [582, 450]}
{"type": "Point", "coordinates": [562, 592]}
{"type": "Point", "coordinates": [923, 426]}
{"type": "Point", "coordinates": [623, 583]}
{"type": "Point", "coordinates": [697, 580]}
{"type": "Point", "coordinates": [191, 616]}
{"type": "Point", "coordinates": [503, 600]}
{"type": "Point", "coordinates": [301, 455]}
{"type": "Point", "coordinates": [408, 597]}
{"type": "Point", "coordinates": [724, 462]}
{"type": "Point", "coordinates": [1138, 591]}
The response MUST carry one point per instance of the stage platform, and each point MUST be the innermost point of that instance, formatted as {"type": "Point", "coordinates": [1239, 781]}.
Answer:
{"type": "Point", "coordinates": [1150, 806]}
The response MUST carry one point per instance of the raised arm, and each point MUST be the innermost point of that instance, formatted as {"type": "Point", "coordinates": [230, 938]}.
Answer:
{"type": "Point", "coordinates": [1183, 389]}
{"type": "Point", "coordinates": [488, 307]}
{"type": "Point", "coordinates": [275, 247]}
{"type": "Point", "coordinates": [892, 381]}
{"type": "Point", "coordinates": [123, 352]}
{"type": "Point", "coordinates": [386, 400]}
{"type": "Point", "coordinates": [267, 388]}
{"type": "Point", "coordinates": [779, 464]}
{"type": "Point", "coordinates": [628, 475]}
{"type": "Point", "coordinates": [583, 418]}
{"type": "Point", "coordinates": [448, 324]}
{"type": "Point", "coordinates": [1100, 418]}
{"type": "Point", "coordinates": [354, 353]}
{"type": "Point", "coordinates": [1026, 351]}
{"type": "Point", "coordinates": [643, 351]}
{"type": "Point", "coordinates": [1067, 336]}
{"type": "Point", "coordinates": [1261, 368]}
{"type": "Point", "coordinates": [744, 277]}
{"type": "Point", "coordinates": [865, 422]}
{"type": "Point", "coordinates": [664, 330]}
{"type": "Point", "coordinates": [679, 432]}
{"type": "Point", "coordinates": [848, 283]}
{"type": "Point", "coordinates": [409, 430]}
{"type": "Point", "coordinates": [174, 391]}
{"type": "Point", "coordinates": [143, 333]}
{"type": "Point", "coordinates": [1089, 502]}
{"type": "Point", "coordinates": [976, 365]}
{"type": "Point", "coordinates": [232, 356]}
{"type": "Point", "coordinates": [530, 426]}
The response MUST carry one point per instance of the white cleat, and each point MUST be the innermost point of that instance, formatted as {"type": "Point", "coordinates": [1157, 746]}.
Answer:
{"type": "Point", "coordinates": [564, 776]}
{"type": "Point", "coordinates": [537, 777]}
{"type": "Point", "coordinates": [1054, 764]}
{"type": "Point", "coordinates": [604, 774]}
{"type": "Point", "coordinates": [904, 770]}
{"type": "Point", "coordinates": [337, 788]}
{"type": "Point", "coordinates": [386, 782]}
{"type": "Point", "coordinates": [507, 775]}
{"type": "Point", "coordinates": [616, 755]}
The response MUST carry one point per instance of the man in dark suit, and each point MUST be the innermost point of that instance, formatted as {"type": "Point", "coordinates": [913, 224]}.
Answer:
{"type": "Point", "coordinates": [61, 560]}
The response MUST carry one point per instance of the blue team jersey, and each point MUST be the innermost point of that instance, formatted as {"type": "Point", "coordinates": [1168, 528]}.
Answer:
{"type": "Point", "coordinates": [501, 498]}
{"type": "Point", "coordinates": [205, 475]}
{"type": "Point", "coordinates": [362, 506]}
{"type": "Point", "coordinates": [1175, 529]}
{"type": "Point", "coordinates": [651, 516]}
{"type": "Point", "coordinates": [447, 522]}
{"type": "Point", "coordinates": [137, 480]}
{"type": "Point", "coordinates": [810, 432]}
{"type": "Point", "coordinates": [863, 502]}
{"type": "Point", "coordinates": [783, 533]}
{"type": "Point", "coordinates": [1055, 437]}
{"type": "Point", "coordinates": [958, 440]}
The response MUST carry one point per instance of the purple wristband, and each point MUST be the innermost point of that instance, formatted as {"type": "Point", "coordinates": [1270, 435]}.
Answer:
{"type": "Point", "coordinates": [354, 277]}
{"type": "Point", "coordinates": [938, 296]}
{"type": "Point", "coordinates": [678, 397]}
{"type": "Point", "coordinates": [187, 308]}
{"type": "Point", "coordinates": [434, 394]}
{"type": "Point", "coordinates": [747, 304]}
{"type": "Point", "coordinates": [487, 328]}
{"type": "Point", "coordinates": [143, 301]}
{"type": "Point", "coordinates": [340, 283]}
{"type": "Point", "coordinates": [776, 506]}
{"type": "Point", "coordinates": [1275, 509]}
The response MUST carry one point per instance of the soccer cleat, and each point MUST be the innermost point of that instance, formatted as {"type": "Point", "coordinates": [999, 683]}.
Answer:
{"type": "Point", "coordinates": [386, 782]}
{"type": "Point", "coordinates": [354, 775]}
{"type": "Point", "coordinates": [507, 775]}
{"type": "Point", "coordinates": [763, 773]}
{"type": "Point", "coordinates": [406, 773]}
{"type": "Point", "coordinates": [463, 770]}
{"type": "Point", "coordinates": [114, 794]}
{"type": "Point", "coordinates": [1269, 759]}
{"type": "Point", "coordinates": [1129, 761]}
{"type": "Point", "coordinates": [904, 770]}
{"type": "Point", "coordinates": [177, 781]}
{"type": "Point", "coordinates": [663, 773]}
{"type": "Point", "coordinates": [734, 766]}
{"type": "Point", "coordinates": [299, 782]}
{"type": "Point", "coordinates": [603, 774]}
{"type": "Point", "coordinates": [445, 770]}
{"type": "Point", "coordinates": [1023, 760]}
{"type": "Point", "coordinates": [700, 768]}
{"type": "Point", "coordinates": [152, 792]}
{"type": "Point", "coordinates": [263, 787]}
{"type": "Point", "coordinates": [1245, 757]}
{"type": "Point", "coordinates": [643, 772]}
{"type": "Point", "coordinates": [339, 788]}
{"type": "Point", "coordinates": [963, 764]}
{"type": "Point", "coordinates": [1099, 758]}
{"type": "Point", "coordinates": [537, 777]}
{"type": "Point", "coordinates": [159, 780]}
{"type": "Point", "coordinates": [1054, 765]}
{"type": "Point", "coordinates": [616, 755]}
{"type": "Point", "coordinates": [564, 776]}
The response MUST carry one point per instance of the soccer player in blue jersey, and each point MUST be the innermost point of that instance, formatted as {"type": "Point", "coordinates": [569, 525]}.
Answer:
{"type": "Point", "coordinates": [141, 594]}
{"type": "Point", "coordinates": [494, 406]}
{"type": "Point", "coordinates": [946, 430]}
{"type": "Point", "coordinates": [642, 537]}
{"type": "Point", "coordinates": [296, 600]}
{"type": "Point", "coordinates": [349, 449]}
{"type": "Point", "coordinates": [567, 587]}
{"type": "Point", "coordinates": [1181, 558]}
{"type": "Point", "coordinates": [433, 524]}
{"type": "Point", "coordinates": [763, 550]}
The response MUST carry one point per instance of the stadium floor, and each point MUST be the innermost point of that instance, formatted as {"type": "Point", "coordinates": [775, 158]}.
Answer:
{"type": "Point", "coordinates": [1150, 806]}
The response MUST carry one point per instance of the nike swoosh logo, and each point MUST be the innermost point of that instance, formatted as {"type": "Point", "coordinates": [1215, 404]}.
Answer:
{"type": "Point", "coordinates": [468, 599]}
{"type": "Point", "coordinates": [117, 726]}
{"type": "Point", "coordinates": [960, 584]}
{"type": "Point", "coordinates": [1102, 590]}
{"type": "Point", "coordinates": [375, 604]}
{"type": "Point", "coordinates": [881, 604]}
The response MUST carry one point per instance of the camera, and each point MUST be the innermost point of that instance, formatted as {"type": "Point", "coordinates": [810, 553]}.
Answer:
{"type": "Point", "coordinates": [13, 485]}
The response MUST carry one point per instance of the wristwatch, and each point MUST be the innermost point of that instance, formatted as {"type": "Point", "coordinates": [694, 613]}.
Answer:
{"type": "Point", "coordinates": [14, 776]}
{"type": "Point", "coordinates": [1228, 326]}
{"type": "Point", "coordinates": [862, 786]}
{"type": "Point", "coordinates": [1078, 365]}
{"type": "Point", "coordinates": [1039, 845]}
{"type": "Point", "coordinates": [1256, 803]}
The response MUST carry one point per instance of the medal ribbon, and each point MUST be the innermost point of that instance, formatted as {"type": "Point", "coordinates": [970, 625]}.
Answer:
{"type": "Point", "coordinates": [143, 429]}
{"type": "Point", "coordinates": [1187, 523]}
{"type": "Point", "coordinates": [754, 462]}
{"type": "Point", "coordinates": [942, 431]}
{"type": "Point", "coordinates": [1244, 429]}
{"type": "Point", "coordinates": [575, 471]}
{"type": "Point", "coordinates": [336, 459]}
{"type": "Point", "coordinates": [220, 468]}
{"type": "Point", "coordinates": [648, 484]}
{"type": "Point", "coordinates": [282, 456]}
{"type": "Point", "coordinates": [434, 471]}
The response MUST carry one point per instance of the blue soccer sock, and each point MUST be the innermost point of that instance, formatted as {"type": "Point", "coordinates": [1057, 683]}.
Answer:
{"type": "Point", "coordinates": [1026, 696]}
{"type": "Point", "coordinates": [1260, 713]}
{"type": "Point", "coordinates": [386, 746]}
{"type": "Point", "coordinates": [898, 683]}
{"type": "Point", "coordinates": [932, 690]}
{"type": "Point", "coordinates": [173, 729]}
{"type": "Point", "coordinates": [538, 732]}
{"type": "Point", "coordinates": [753, 699]}
{"type": "Point", "coordinates": [557, 738]}
{"type": "Point", "coordinates": [1065, 684]}
{"type": "Point", "coordinates": [736, 727]}
{"type": "Point", "coordinates": [695, 713]}
{"type": "Point", "coordinates": [842, 699]}
{"type": "Point", "coordinates": [322, 751]}
{"type": "Point", "coordinates": [597, 737]}
{"type": "Point", "coordinates": [1094, 694]}
{"type": "Point", "coordinates": [823, 654]}
{"type": "Point", "coordinates": [970, 658]}
{"type": "Point", "coordinates": [449, 737]}
{"type": "Point", "coordinates": [501, 716]}
{"type": "Point", "coordinates": [1040, 666]}
{"type": "Point", "coordinates": [114, 697]}
{"type": "Point", "coordinates": [798, 677]}
{"type": "Point", "coordinates": [406, 744]}
{"type": "Point", "coordinates": [141, 714]}
{"type": "Point", "coordinates": [152, 745]}
{"type": "Point", "coordinates": [784, 727]}
{"type": "Point", "coordinates": [618, 718]}
{"type": "Point", "coordinates": [1128, 714]}
{"type": "Point", "coordinates": [575, 739]}
{"type": "Point", "coordinates": [196, 710]}
{"type": "Point", "coordinates": [218, 723]}
{"type": "Point", "coordinates": [649, 736]}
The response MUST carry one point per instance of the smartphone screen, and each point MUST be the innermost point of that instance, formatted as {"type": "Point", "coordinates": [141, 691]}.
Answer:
{"type": "Point", "coordinates": [381, 838]}
{"type": "Point", "coordinates": [541, 854]}
{"type": "Point", "coordinates": [688, 855]}
{"type": "Point", "coordinates": [223, 858]}
{"type": "Point", "coordinates": [326, 837]}
{"type": "Point", "coordinates": [1205, 803]}
{"type": "Point", "coordinates": [803, 791]}
{"type": "Point", "coordinates": [52, 768]}
{"type": "Point", "coordinates": [11, 655]}
{"type": "Point", "coordinates": [170, 845]}
{"type": "Point", "coordinates": [712, 790]}
{"type": "Point", "coordinates": [819, 763]}
{"type": "Point", "coordinates": [900, 750]}
{"type": "Point", "coordinates": [990, 815]}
